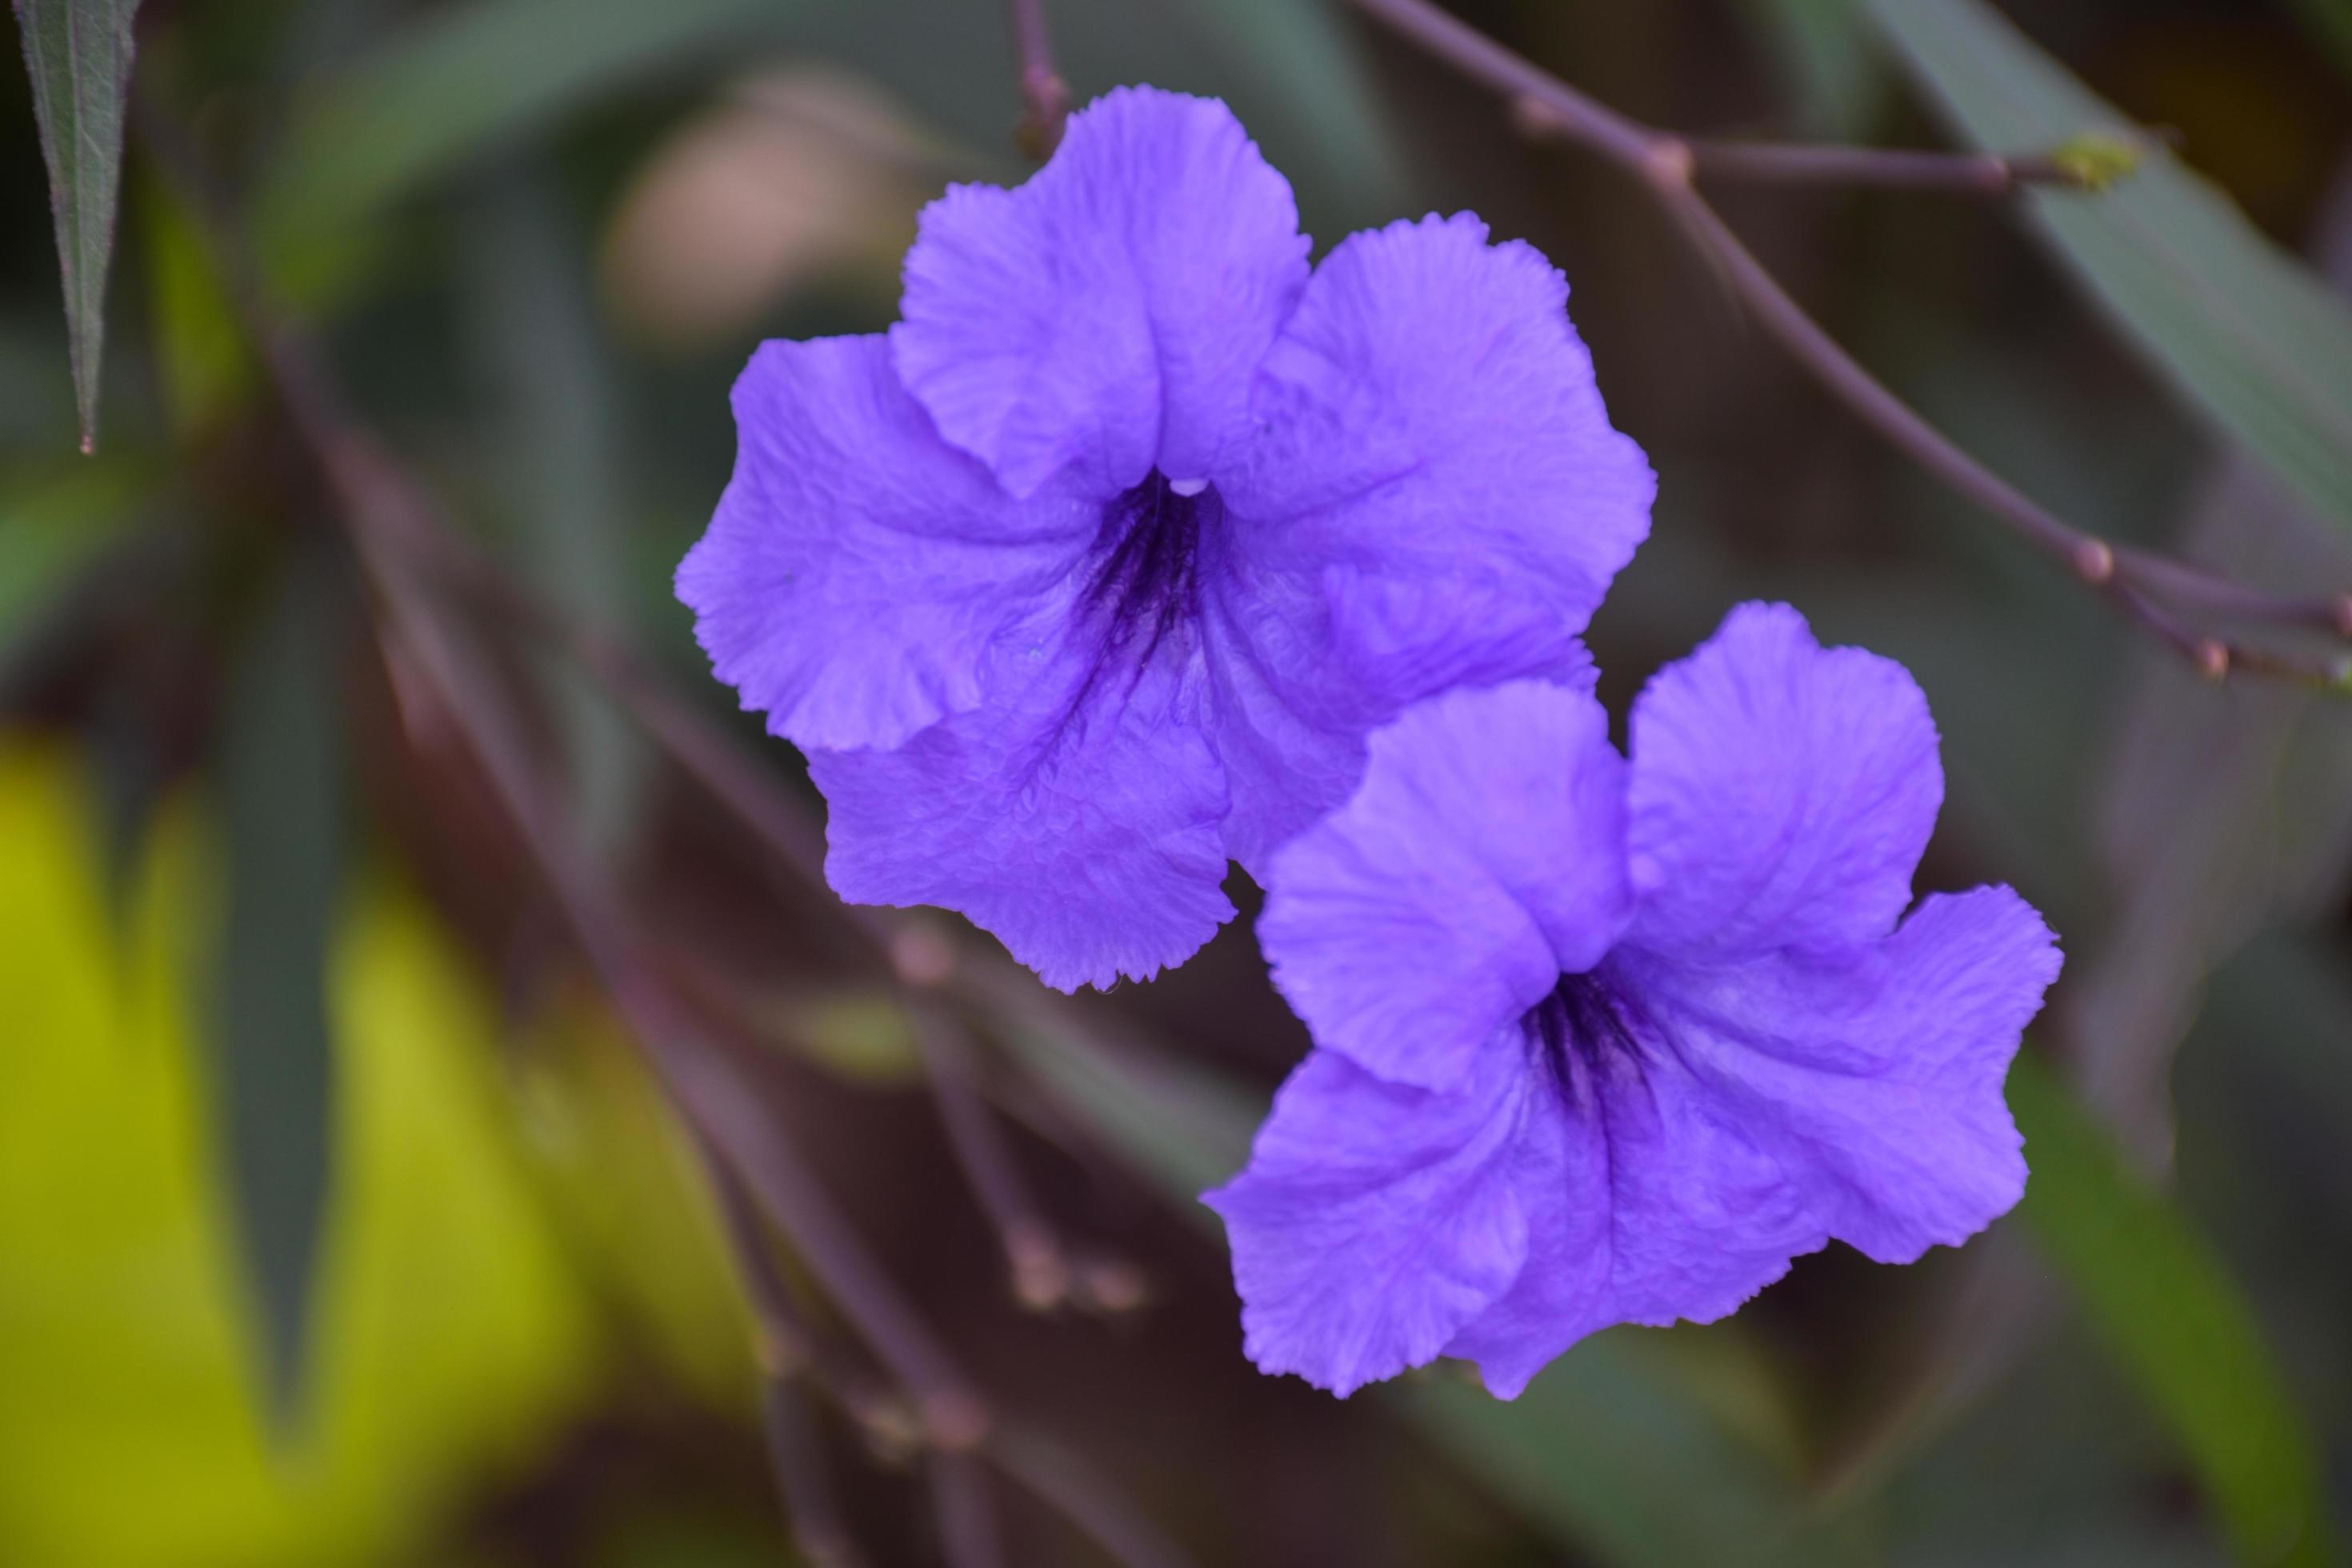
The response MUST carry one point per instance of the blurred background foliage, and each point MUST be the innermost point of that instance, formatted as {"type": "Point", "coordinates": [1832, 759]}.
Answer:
{"type": "Point", "coordinates": [340, 1219]}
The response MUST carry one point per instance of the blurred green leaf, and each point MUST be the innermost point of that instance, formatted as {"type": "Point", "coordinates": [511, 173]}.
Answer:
{"type": "Point", "coordinates": [2248, 334]}
{"type": "Point", "coordinates": [558, 434]}
{"type": "Point", "coordinates": [2169, 1313]}
{"type": "Point", "coordinates": [279, 776]}
{"type": "Point", "coordinates": [202, 362]}
{"type": "Point", "coordinates": [1607, 1450]}
{"type": "Point", "coordinates": [462, 77]}
{"type": "Point", "coordinates": [1822, 52]}
{"type": "Point", "coordinates": [50, 526]}
{"type": "Point", "coordinates": [630, 1198]}
{"type": "Point", "coordinates": [79, 52]}
{"type": "Point", "coordinates": [452, 1338]}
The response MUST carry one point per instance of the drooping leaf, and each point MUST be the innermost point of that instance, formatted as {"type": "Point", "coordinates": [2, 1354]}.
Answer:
{"type": "Point", "coordinates": [2169, 1313]}
{"type": "Point", "coordinates": [2245, 332]}
{"type": "Point", "coordinates": [552, 389]}
{"type": "Point", "coordinates": [278, 780]}
{"type": "Point", "coordinates": [454, 1338]}
{"type": "Point", "coordinates": [1608, 1451]}
{"type": "Point", "coordinates": [79, 52]}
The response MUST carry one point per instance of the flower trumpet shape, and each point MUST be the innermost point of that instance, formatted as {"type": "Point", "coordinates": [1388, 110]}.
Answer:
{"type": "Point", "coordinates": [1094, 572]}
{"type": "Point", "coordinates": [1601, 1041]}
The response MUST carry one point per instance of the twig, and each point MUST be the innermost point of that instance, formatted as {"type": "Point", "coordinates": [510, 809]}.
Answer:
{"type": "Point", "coordinates": [1063, 1483]}
{"type": "Point", "coordinates": [787, 1353]}
{"type": "Point", "coordinates": [1045, 96]}
{"type": "Point", "coordinates": [2090, 163]}
{"type": "Point", "coordinates": [968, 1533]}
{"type": "Point", "coordinates": [1040, 1267]}
{"type": "Point", "coordinates": [398, 537]}
{"type": "Point", "coordinates": [1666, 166]}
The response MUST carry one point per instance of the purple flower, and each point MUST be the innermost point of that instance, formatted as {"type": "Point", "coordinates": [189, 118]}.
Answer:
{"type": "Point", "coordinates": [1608, 1042]}
{"type": "Point", "coordinates": [1094, 572]}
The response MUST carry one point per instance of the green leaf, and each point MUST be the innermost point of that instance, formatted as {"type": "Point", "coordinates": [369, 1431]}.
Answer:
{"type": "Point", "coordinates": [558, 436]}
{"type": "Point", "coordinates": [280, 795]}
{"type": "Point", "coordinates": [1820, 51]}
{"type": "Point", "coordinates": [2168, 1311]}
{"type": "Point", "coordinates": [456, 1341]}
{"type": "Point", "coordinates": [1610, 1452]}
{"type": "Point", "coordinates": [204, 365]}
{"type": "Point", "coordinates": [50, 527]}
{"type": "Point", "coordinates": [79, 52]}
{"type": "Point", "coordinates": [2248, 335]}
{"type": "Point", "coordinates": [463, 78]}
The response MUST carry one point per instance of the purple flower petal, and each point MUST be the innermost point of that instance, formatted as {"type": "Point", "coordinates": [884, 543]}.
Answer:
{"type": "Point", "coordinates": [1434, 498]}
{"type": "Point", "coordinates": [1645, 1204]}
{"type": "Point", "coordinates": [1372, 1221]}
{"type": "Point", "coordinates": [1678, 1100]}
{"type": "Point", "coordinates": [859, 568]}
{"type": "Point", "coordinates": [1782, 794]}
{"type": "Point", "coordinates": [1875, 1075]}
{"type": "Point", "coordinates": [1482, 857]}
{"type": "Point", "coordinates": [1076, 815]}
{"type": "Point", "coordinates": [1111, 311]}
{"type": "Point", "coordinates": [1304, 666]}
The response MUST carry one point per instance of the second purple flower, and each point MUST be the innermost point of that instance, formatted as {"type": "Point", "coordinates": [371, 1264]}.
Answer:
{"type": "Point", "coordinates": [1094, 572]}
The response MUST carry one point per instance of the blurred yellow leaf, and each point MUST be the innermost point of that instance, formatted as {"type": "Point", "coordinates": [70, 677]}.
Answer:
{"type": "Point", "coordinates": [452, 1334]}
{"type": "Point", "coordinates": [628, 1197]}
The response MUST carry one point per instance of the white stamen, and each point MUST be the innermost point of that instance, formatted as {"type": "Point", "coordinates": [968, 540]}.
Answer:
{"type": "Point", "coordinates": [1188, 487]}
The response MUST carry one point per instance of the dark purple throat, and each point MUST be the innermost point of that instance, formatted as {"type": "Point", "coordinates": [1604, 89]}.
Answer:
{"type": "Point", "coordinates": [1144, 581]}
{"type": "Point", "coordinates": [1587, 1027]}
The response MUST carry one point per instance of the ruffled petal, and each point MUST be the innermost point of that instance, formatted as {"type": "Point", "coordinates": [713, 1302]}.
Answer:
{"type": "Point", "coordinates": [1373, 1219]}
{"type": "Point", "coordinates": [1781, 792]}
{"type": "Point", "coordinates": [858, 568]}
{"type": "Point", "coordinates": [1482, 855]}
{"type": "Point", "coordinates": [1108, 313]}
{"type": "Point", "coordinates": [1645, 1204]}
{"type": "Point", "coordinates": [1076, 815]}
{"type": "Point", "coordinates": [1874, 1075]}
{"type": "Point", "coordinates": [1434, 498]}
{"type": "Point", "coordinates": [1304, 666]}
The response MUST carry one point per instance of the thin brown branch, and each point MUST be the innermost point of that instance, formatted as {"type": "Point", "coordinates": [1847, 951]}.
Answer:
{"type": "Point", "coordinates": [1032, 1252]}
{"type": "Point", "coordinates": [1045, 96]}
{"type": "Point", "coordinates": [1065, 1483]}
{"type": "Point", "coordinates": [1883, 168]}
{"type": "Point", "coordinates": [788, 1355]}
{"type": "Point", "coordinates": [967, 1519]}
{"type": "Point", "coordinates": [2146, 590]}
{"type": "Point", "coordinates": [398, 536]}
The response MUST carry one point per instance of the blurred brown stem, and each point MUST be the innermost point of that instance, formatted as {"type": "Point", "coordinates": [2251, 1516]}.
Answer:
{"type": "Point", "coordinates": [1039, 1264]}
{"type": "Point", "coordinates": [1045, 96]}
{"type": "Point", "coordinates": [2147, 589]}
{"type": "Point", "coordinates": [1888, 168]}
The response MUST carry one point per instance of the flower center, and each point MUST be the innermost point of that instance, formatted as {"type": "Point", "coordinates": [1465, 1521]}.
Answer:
{"type": "Point", "coordinates": [1145, 582]}
{"type": "Point", "coordinates": [1585, 1021]}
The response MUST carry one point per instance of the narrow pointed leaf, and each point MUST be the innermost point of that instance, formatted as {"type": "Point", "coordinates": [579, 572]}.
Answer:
{"type": "Point", "coordinates": [79, 52]}
{"type": "Point", "coordinates": [279, 790]}
{"type": "Point", "coordinates": [2170, 1314]}
{"type": "Point", "coordinates": [2251, 337]}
